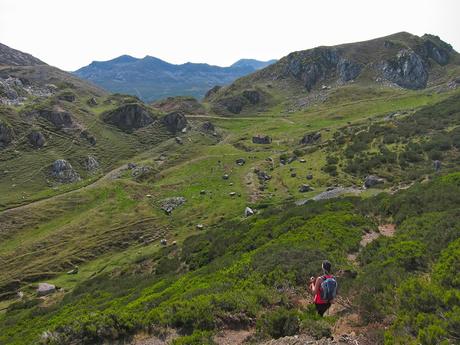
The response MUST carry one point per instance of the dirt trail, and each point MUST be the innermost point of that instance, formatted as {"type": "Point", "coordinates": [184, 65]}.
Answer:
{"type": "Point", "coordinates": [232, 337]}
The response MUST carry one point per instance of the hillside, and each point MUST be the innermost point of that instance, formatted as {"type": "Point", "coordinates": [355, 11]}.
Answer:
{"type": "Point", "coordinates": [150, 78]}
{"type": "Point", "coordinates": [197, 228]}
{"type": "Point", "coordinates": [305, 78]}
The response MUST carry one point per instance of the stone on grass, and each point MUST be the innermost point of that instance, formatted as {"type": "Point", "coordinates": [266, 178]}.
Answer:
{"type": "Point", "coordinates": [169, 204]}
{"type": "Point", "coordinates": [45, 289]}
{"type": "Point", "coordinates": [248, 212]}
{"type": "Point", "coordinates": [305, 188]}
{"type": "Point", "coordinates": [372, 180]}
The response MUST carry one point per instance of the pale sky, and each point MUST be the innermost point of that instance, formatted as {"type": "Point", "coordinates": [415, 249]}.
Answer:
{"type": "Point", "coordinates": [71, 33]}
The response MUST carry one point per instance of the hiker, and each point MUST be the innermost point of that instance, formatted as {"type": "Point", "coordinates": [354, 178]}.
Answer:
{"type": "Point", "coordinates": [323, 288]}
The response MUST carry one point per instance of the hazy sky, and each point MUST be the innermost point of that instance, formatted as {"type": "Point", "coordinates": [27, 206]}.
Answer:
{"type": "Point", "coordinates": [71, 33]}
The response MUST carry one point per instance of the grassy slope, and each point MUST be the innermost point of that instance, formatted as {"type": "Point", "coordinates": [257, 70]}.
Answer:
{"type": "Point", "coordinates": [100, 227]}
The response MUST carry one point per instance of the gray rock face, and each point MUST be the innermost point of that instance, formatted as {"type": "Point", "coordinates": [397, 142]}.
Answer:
{"type": "Point", "coordinates": [67, 96]}
{"type": "Point", "coordinates": [372, 180]}
{"type": "Point", "coordinates": [91, 163]}
{"type": "Point", "coordinates": [407, 70]}
{"type": "Point", "coordinates": [240, 161]}
{"type": "Point", "coordinates": [233, 104]}
{"type": "Point", "coordinates": [259, 139]}
{"type": "Point", "coordinates": [6, 135]}
{"type": "Point", "coordinates": [310, 138]}
{"type": "Point", "coordinates": [253, 96]}
{"type": "Point", "coordinates": [129, 117]}
{"type": "Point", "coordinates": [168, 205]}
{"type": "Point", "coordinates": [312, 65]}
{"type": "Point", "coordinates": [438, 54]}
{"type": "Point", "coordinates": [91, 102]}
{"type": "Point", "coordinates": [58, 117]}
{"type": "Point", "coordinates": [139, 171]}
{"type": "Point", "coordinates": [175, 122]}
{"type": "Point", "coordinates": [45, 289]}
{"type": "Point", "coordinates": [63, 172]}
{"type": "Point", "coordinates": [36, 139]}
{"type": "Point", "coordinates": [348, 70]}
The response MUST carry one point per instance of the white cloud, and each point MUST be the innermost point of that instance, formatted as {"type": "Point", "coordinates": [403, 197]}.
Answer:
{"type": "Point", "coordinates": [70, 34]}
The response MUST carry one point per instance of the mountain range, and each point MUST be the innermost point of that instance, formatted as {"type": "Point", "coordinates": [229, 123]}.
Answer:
{"type": "Point", "coordinates": [151, 78]}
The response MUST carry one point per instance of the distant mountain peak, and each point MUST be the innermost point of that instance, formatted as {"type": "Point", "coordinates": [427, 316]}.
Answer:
{"type": "Point", "coordinates": [256, 64]}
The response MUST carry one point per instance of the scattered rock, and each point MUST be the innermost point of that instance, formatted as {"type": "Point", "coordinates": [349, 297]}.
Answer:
{"type": "Point", "coordinates": [207, 126]}
{"type": "Point", "coordinates": [200, 226]}
{"type": "Point", "coordinates": [240, 161]}
{"type": "Point", "coordinates": [131, 165]}
{"type": "Point", "coordinates": [168, 205]}
{"type": "Point", "coordinates": [163, 241]}
{"type": "Point", "coordinates": [63, 172]}
{"type": "Point", "coordinates": [261, 139]}
{"type": "Point", "coordinates": [263, 176]}
{"type": "Point", "coordinates": [437, 165]}
{"type": "Point", "coordinates": [36, 139]}
{"type": "Point", "coordinates": [175, 121]}
{"type": "Point", "coordinates": [92, 102]}
{"type": "Point", "coordinates": [302, 161]}
{"type": "Point", "coordinates": [248, 212]}
{"type": "Point", "coordinates": [310, 138]}
{"type": "Point", "coordinates": [45, 289]}
{"type": "Point", "coordinates": [202, 192]}
{"type": "Point", "coordinates": [179, 140]}
{"type": "Point", "coordinates": [140, 171]}
{"type": "Point", "coordinates": [372, 180]}
{"type": "Point", "coordinates": [91, 163]}
{"type": "Point", "coordinates": [129, 117]}
{"type": "Point", "coordinates": [305, 188]}
{"type": "Point", "coordinates": [73, 271]}
{"type": "Point", "coordinates": [87, 136]}
{"type": "Point", "coordinates": [225, 176]}
{"type": "Point", "coordinates": [232, 193]}
{"type": "Point", "coordinates": [309, 177]}
{"type": "Point", "coordinates": [293, 174]}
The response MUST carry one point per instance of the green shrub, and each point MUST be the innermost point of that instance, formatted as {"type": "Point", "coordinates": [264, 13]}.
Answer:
{"type": "Point", "coordinates": [279, 323]}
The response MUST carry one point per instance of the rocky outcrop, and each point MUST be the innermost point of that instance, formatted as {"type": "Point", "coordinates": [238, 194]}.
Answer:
{"type": "Point", "coordinates": [259, 139]}
{"type": "Point", "coordinates": [67, 96]}
{"type": "Point", "coordinates": [62, 171]}
{"type": "Point", "coordinates": [88, 137]}
{"type": "Point", "coordinates": [175, 122]}
{"type": "Point", "coordinates": [372, 180]}
{"type": "Point", "coordinates": [186, 105]}
{"type": "Point", "coordinates": [45, 289]}
{"type": "Point", "coordinates": [311, 66]}
{"type": "Point", "coordinates": [310, 138]}
{"type": "Point", "coordinates": [36, 139]}
{"type": "Point", "coordinates": [305, 188]}
{"type": "Point", "coordinates": [348, 70]}
{"type": "Point", "coordinates": [211, 92]}
{"type": "Point", "coordinates": [91, 164]}
{"type": "Point", "coordinates": [129, 117]}
{"type": "Point", "coordinates": [207, 126]}
{"type": "Point", "coordinates": [407, 70]}
{"type": "Point", "coordinates": [6, 135]}
{"type": "Point", "coordinates": [59, 117]}
{"type": "Point", "coordinates": [92, 102]}
{"type": "Point", "coordinates": [232, 104]}
{"type": "Point", "coordinates": [168, 205]}
{"type": "Point", "coordinates": [253, 96]}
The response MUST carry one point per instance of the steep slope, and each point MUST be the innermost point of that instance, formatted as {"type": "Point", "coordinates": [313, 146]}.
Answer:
{"type": "Point", "coordinates": [151, 78]}
{"type": "Point", "coordinates": [58, 132]}
{"type": "Point", "coordinates": [13, 57]}
{"type": "Point", "coordinates": [399, 61]}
